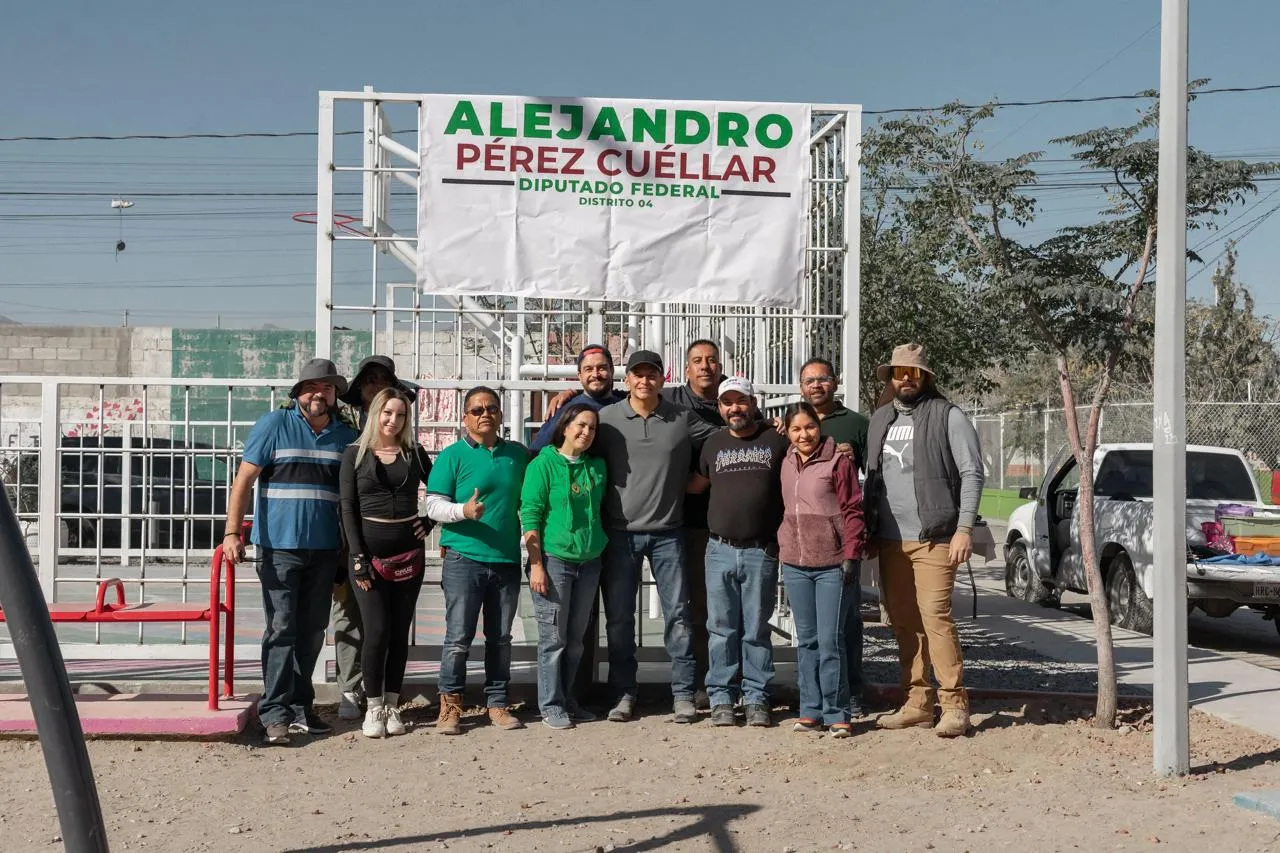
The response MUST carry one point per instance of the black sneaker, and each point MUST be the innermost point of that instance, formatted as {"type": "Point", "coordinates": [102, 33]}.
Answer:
{"type": "Point", "coordinates": [722, 715]}
{"type": "Point", "coordinates": [758, 715]}
{"type": "Point", "coordinates": [856, 711]}
{"type": "Point", "coordinates": [309, 724]}
{"type": "Point", "coordinates": [277, 735]}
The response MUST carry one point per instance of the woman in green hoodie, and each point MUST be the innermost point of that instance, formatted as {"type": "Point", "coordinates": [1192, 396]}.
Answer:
{"type": "Point", "coordinates": [560, 514]}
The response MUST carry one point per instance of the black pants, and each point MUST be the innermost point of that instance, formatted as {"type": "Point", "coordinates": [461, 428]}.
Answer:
{"type": "Point", "coordinates": [387, 611]}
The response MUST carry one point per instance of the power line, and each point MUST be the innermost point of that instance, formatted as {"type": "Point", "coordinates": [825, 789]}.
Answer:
{"type": "Point", "coordinates": [1140, 96]}
{"type": "Point", "coordinates": [302, 134]}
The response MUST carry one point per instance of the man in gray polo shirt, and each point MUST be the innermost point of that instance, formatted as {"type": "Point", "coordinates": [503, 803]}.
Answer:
{"type": "Point", "coordinates": [649, 445]}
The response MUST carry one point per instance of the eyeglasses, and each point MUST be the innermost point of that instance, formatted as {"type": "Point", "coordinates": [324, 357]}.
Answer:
{"type": "Point", "coordinates": [817, 380]}
{"type": "Point", "coordinates": [477, 411]}
{"type": "Point", "coordinates": [901, 373]}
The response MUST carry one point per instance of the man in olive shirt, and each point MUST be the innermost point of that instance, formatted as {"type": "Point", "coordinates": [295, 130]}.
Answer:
{"type": "Point", "coordinates": [846, 426]}
{"type": "Point", "coordinates": [849, 429]}
{"type": "Point", "coordinates": [648, 445]}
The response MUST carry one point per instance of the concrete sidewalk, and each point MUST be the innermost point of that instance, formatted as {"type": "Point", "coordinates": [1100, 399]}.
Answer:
{"type": "Point", "coordinates": [1225, 687]}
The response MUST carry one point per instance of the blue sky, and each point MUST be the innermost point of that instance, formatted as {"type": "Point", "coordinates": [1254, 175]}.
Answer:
{"type": "Point", "coordinates": [133, 67]}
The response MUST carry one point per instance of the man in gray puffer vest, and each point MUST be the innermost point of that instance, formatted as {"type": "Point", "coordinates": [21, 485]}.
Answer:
{"type": "Point", "coordinates": [924, 481]}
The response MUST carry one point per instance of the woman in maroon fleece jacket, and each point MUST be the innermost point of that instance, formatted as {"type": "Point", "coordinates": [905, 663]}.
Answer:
{"type": "Point", "coordinates": [819, 545]}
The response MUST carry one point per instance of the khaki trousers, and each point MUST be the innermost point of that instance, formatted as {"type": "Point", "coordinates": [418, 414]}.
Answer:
{"type": "Point", "coordinates": [917, 579]}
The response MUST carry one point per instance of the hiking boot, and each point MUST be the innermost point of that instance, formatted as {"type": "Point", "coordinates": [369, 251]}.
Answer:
{"type": "Point", "coordinates": [375, 721]}
{"type": "Point", "coordinates": [807, 725]}
{"type": "Point", "coordinates": [556, 719]}
{"type": "Point", "coordinates": [840, 730]}
{"type": "Point", "coordinates": [450, 720]}
{"type": "Point", "coordinates": [683, 711]}
{"type": "Point", "coordinates": [701, 700]}
{"type": "Point", "coordinates": [622, 712]}
{"type": "Point", "coordinates": [395, 725]}
{"type": "Point", "coordinates": [907, 717]}
{"type": "Point", "coordinates": [579, 714]}
{"type": "Point", "coordinates": [504, 719]}
{"type": "Point", "coordinates": [349, 706]}
{"type": "Point", "coordinates": [277, 734]}
{"type": "Point", "coordinates": [856, 711]}
{"type": "Point", "coordinates": [954, 723]}
{"type": "Point", "coordinates": [722, 715]}
{"type": "Point", "coordinates": [758, 715]}
{"type": "Point", "coordinates": [309, 723]}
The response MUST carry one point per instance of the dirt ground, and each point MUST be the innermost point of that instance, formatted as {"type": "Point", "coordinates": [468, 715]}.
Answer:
{"type": "Point", "coordinates": [1031, 778]}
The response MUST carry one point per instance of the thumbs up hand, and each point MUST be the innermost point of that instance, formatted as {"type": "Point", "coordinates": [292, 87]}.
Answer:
{"type": "Point", "coordinates": [474, 508]}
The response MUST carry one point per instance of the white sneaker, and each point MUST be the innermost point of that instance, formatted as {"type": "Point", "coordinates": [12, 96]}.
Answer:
{"type": "Point", "coordinates": [349, 706]}
{"type": "Point", "coordinates": [395, 726]}
{"type": "Point", "coordinates": [375, 722]}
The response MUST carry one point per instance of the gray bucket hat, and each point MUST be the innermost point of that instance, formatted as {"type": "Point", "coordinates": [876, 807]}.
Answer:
{"type": "Point", "coordinates": [319, 370]}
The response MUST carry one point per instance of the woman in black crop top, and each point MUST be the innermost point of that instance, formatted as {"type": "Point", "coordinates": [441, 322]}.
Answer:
{"type": "Point", "coordinates": [379, 483]}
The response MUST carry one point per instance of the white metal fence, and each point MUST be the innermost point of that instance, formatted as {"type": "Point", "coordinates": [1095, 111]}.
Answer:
{"type": "Point", "coordinates": [118, 477]}
{"type": "Point", "coordinates": [1018, 445]}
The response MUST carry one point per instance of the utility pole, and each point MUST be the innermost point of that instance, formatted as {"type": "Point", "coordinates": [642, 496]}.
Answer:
{"type": "Point", "coordinates": [1171, 711]}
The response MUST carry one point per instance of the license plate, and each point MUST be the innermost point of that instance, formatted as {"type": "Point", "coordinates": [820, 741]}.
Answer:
{"type": "Point", "coordinates": [1267, 591]}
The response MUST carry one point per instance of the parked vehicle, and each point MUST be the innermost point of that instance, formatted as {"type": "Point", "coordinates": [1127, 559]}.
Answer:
{"type": "Point", "coordinates": [177, 493]}
{"type": "Point", "coordinates": [1042, 546]}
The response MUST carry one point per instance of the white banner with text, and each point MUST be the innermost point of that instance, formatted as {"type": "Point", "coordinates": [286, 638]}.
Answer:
{"type": "Point", "coordinates": [683, 201]}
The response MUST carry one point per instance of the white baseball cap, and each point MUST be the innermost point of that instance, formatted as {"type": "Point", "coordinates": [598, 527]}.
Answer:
{"type": "Point", "coordinates": [736, 383]}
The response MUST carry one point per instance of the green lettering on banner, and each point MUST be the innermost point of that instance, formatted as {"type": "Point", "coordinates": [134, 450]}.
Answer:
{"type": "Point", "coordinates": [701, 127]}
{"type": "Point", "coordinates": [607, 124]}
{"type": "Point", "coordinates": [537, 121]}
{"type": "Point", "coordinates": [464, 118]}
{"type": "Point", "coordinates": [574, 130]}
{"type": "Point", "coordinates": [496, 127]}
{"type": "Point", "coordinates": [782, 127]}
{"type": "Point", "coordinates": [731, 129]}
{"type": "Point", "coordinates": [652, 125]}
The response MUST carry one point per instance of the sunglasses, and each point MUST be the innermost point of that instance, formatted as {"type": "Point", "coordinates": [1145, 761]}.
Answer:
{"type": "Point", "coordinates": [901, 373]}
{"type": "Point", "coordinates": [477, 411]}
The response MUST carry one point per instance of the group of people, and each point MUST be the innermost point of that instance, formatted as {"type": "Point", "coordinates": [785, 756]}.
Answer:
{"type": "Point", "coordinates": [718, 499]}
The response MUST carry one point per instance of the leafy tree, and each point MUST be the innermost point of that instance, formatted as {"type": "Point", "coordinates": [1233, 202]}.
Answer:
{"type": "Point", "coordinates": [907, 294]}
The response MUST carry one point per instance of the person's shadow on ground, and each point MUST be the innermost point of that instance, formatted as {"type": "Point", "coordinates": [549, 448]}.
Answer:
{"type": "Point", "coordinates": [711, 822]}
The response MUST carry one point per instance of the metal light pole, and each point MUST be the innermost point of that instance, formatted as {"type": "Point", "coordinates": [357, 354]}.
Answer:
{"type": "Point", "coordinates": [1172, 745]}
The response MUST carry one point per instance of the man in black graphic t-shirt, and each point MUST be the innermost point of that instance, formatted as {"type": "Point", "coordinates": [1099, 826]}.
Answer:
{"type": "Point", "coordinates": [743, 465]}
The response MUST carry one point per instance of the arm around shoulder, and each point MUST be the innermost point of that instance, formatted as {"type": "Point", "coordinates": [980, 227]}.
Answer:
{"type": "Point", "coordinates": [851, 511]}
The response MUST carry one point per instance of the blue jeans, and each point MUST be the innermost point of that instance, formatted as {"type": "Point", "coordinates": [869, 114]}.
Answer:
{"type": "Point", "coordinates": [620, 582]}
{"type": "Point", "coordinates": [853, 638]}
{"type": "Point", "coordinates": [471, 587]}
{"type": "Point", "coordinates": [562, 615]}
{"type": "Point", "coordinates": [742, 589]}
{"type": "Point", "coordinates": [819, 605]}
{"type": "Point", "coordinates": [296, 588]}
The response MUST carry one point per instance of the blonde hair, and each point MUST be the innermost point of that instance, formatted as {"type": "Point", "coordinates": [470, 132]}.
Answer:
{"type": "Point", "coordinates": [370, 432]}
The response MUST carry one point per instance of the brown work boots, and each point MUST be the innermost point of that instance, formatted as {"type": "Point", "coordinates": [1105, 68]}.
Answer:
{"type": "Point", "coordinates": [450, 720]}
{"type": "Point", "coordinates": [954, 721]}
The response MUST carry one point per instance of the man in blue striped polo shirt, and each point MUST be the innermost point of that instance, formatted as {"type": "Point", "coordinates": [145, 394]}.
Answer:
{"type": "Point", "coordinates": [295, 453]}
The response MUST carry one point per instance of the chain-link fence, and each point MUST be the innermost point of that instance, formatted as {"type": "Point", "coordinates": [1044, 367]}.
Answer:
{"type": "Point", "coordinates": [1019, 445]}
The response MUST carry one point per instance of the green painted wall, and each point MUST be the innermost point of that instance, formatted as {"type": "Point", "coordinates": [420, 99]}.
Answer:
{"type": "Point", "coordinates": [247, 354]}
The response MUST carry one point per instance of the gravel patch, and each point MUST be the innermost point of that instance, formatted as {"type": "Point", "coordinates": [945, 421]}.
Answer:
{"type": "Point", "coordinates": [989, 663]}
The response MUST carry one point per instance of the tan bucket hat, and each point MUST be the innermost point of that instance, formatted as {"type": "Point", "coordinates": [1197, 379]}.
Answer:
{"type": "Point", "coordinates": [907, 355]}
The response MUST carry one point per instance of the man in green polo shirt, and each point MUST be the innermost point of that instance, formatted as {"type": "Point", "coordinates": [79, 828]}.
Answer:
{"type": "Point", "coordinates": [849, 429]}
{"type": "Point", "coordinates": [474, 493]}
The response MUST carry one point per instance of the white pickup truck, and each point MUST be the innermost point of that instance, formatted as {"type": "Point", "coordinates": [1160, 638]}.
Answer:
{"type": "Point", "coordinates": [1042, 547]}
